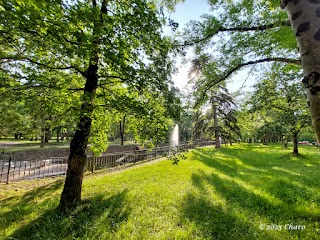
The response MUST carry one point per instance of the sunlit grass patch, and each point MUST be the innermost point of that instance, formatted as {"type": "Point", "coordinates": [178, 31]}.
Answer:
{"type": "Point", "coordinates": [235, 192]}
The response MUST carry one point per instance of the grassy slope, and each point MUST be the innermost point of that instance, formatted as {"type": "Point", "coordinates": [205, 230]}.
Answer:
{"type": "Point", "coordinates": [215, 194]}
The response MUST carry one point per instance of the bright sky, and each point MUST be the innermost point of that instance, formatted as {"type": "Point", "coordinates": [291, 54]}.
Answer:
{"type": "Point", "coordinates": [192, 10]}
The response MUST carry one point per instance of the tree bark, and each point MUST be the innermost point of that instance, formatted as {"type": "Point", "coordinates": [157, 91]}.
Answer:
{"type": "Point", "coordinates": [63, 134]}
{"type": "Point", "coordinates": [122, 125]}
{"type": "Point", "coordinates": [265, 141]}
{"type": "Point", "coordinates": [295, 143]}
{"type": "Point", "coordinates": [71, 194]}
{"type": "Point", "coordinates": [42, 138]}
{"type": "Point", "coordinates": [305, 20]}
{"type": "Point", "coordinates": [47, 135]}
{"type": "Point", "coordinates": [58, 134]}
{"type": "Point", "coordinates": [216, 127]}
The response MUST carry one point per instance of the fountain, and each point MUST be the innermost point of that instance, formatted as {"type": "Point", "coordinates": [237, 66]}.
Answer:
{"type": "Point", "coordinates": [174, 138]}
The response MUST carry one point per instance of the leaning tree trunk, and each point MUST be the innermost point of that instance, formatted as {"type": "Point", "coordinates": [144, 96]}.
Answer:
{"type": "Point", "coordinates": [122, 130]}
{"type": "Point", "coordinates": [71, 194]}
{"type": "Point", "coordinates": [305, 20]}
{"type": "Point", "coordinates": [295, 143]}
{"type": "Point", "coordinates": [216, 127]}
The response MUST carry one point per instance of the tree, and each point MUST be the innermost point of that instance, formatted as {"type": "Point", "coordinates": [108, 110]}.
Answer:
{"type": "Point", "coordinates": [280, 92]}
{"type": "Point", "coordinates": [152, 126]}
{"type": "Point", "coordinates": [122, 123]}
{"type": "Point", "coordinates": [250, 122]}
{"type": "Point", "coordinates": [101, 44]}
{"type": "Point", "coordinates": [14, 120]}
{"type": "Point", "coordinates": [254, 32]}
{"type": "Point", "coordinates": [218, 103]}
{"type": "Point", "coordinates": [305, 21]}
{"type": "Point", "coordinates": [271, 131]}
{"type": "Point", "coordinates": [185, 124]}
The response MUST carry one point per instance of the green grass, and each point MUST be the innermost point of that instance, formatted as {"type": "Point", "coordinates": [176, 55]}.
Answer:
{"type": "Point", "coordinates": [228, 193]}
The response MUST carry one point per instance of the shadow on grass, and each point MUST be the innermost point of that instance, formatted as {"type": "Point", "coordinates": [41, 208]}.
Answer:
{"type": "Point", "coordinates": [225, 209]}
{"type": "Point", "coordinates": [265, 170]}
{"type": "Point", "coordinates": [293, 156]}
{"type": "Point", "coordinates": [237, 194]}
{"type": "Point", "coordinates": [267, 164]}
{"type": "Point", "coordinates": [214, 221]}
{"type": "Point", "coordinates": [92, 219]}
{"type": "Point", "coordinates": [22, 207]}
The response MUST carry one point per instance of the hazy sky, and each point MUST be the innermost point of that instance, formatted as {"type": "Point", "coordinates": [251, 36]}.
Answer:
{"type": "Point", "coordinates": [184, 12]}
{"type": "Point", "coordinates": [192, 10]}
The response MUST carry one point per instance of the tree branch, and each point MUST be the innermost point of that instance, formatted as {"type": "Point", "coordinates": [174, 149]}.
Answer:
{"type": "Point", "coordinates": [75, 89]}
{"type": "Point", "coordinates": [111, 76]}
{"type": "Point", "coordinates": [235, 29]}
{"type": "Point", "coordinates": [56, 68]}
{"type": "Point", "coordinates": [239, 66]}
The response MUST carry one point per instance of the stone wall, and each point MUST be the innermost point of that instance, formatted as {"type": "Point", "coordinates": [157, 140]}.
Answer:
{"type": "Point", "coordinates": [48, 153]}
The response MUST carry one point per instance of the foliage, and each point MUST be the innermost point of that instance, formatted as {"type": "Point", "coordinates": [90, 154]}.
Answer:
{"type": "Point", "coordinates": [185, 124]}
{"type": "Point", "coordinates": [50, 45]}
{"type": "Point", "coordinates": [238, 34]}
{"type": "Point", "coordinates": [216, 105]}
{"type": "Point", "coordinates": [250, 122]}
{"type": "Point", "coordinates": [13, 119]}
{"type": "Point", "coordinates": [99, 132]}
{"type": "Point", "coordinates": [176, 155]}
{"type": "Point", "coordinates": [280, 92]}
{"type": "Point", "coordinates": [220, 104]}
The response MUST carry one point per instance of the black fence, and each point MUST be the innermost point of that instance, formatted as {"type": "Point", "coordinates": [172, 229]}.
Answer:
{"type": "Point", "coordinates": [16, 170]}
{"type": "Point", "coordinates": [12, 169]}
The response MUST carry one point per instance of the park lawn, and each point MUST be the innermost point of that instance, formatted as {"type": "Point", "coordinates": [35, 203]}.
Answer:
{"type": "Point", "coordinates": [239, 192]}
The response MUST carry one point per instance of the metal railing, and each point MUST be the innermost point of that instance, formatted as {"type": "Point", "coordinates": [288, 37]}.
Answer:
{"type": "Point", "coordinates": [16, 170]}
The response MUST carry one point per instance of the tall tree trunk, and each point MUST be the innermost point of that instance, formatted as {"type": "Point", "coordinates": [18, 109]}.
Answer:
{"type": "Point", "coordinates": [71, 194]}
{"type": "Point", "coordinates": [216, 127]}
{"type": "Point", "coordinates": [122, 129]}
{"type": "Point", "coordinates": [42, 138]}
{"type": "Point", "coordinates": [121, 133]}
{"type": "Point", "coordinates": [265, 141]}
{"type": "Point", "coordinates": [47, 135]}
{"type": "Point", "coordinates": [305, 20]}
{"type": "Point", "coordinates": [58, 134]}
{"type": "Point", "coordinates": [295, 143]}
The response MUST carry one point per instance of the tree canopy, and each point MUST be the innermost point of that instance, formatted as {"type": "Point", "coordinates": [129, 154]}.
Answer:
{"type": "Point", "coordinates": [111, 55]}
